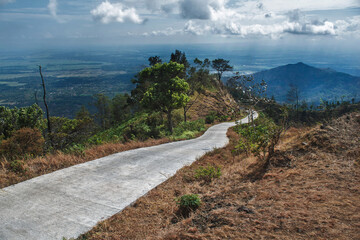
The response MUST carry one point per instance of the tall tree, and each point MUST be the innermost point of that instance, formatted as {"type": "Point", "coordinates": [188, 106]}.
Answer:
{"type": "Point", "coordinates": [221, 66]}
{"type": "Point", "coordinates": [293, 96]}
{"type": "Point", "coordinates": [180, 57]}
{"type": "Point", "coordinates": [102, 103]}
{"type": "Point", "coordinates": [154, 60]}
{"type": "Point", "coordinates": [167, 91]}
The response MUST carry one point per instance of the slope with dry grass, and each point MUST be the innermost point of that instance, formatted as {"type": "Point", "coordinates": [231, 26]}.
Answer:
{"type": "Point", "coordinates": [310, 191]}
{"type": "Point", "coordinates": [12, 172]}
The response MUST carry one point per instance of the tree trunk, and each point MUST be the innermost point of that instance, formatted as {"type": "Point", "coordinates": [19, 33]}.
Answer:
{"type": "Point", "coordinates": [170, 124]}
{"type": "Point", "coordinates": [46, 106]}
{"type": "Point", "coordinates": [185, 111]}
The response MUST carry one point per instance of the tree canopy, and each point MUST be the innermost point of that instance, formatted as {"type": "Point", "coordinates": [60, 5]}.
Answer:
{"type": "Point", "coordinates": [221, 66]}
{"type": "Point", "coordinates": [167, 90]}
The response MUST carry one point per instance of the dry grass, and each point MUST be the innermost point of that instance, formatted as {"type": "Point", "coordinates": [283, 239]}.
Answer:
{"type": "Point", "coordinates": [310, 191]}
{"type": "Point", "coordinates": [46, 164]}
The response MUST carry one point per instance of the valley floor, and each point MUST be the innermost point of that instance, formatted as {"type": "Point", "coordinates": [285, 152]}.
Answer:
{"type": "Point", "coordinates": [310, 191]}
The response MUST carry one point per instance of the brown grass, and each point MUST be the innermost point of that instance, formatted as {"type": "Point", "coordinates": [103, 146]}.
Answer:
{"type": "Point", "coordinates": [310, 191]}
{"type": "Point", "coordinates": [46, 164]}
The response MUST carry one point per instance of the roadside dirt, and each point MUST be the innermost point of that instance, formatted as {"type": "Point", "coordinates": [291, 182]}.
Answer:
{"type": "Point", "coordinates": [310, 191]}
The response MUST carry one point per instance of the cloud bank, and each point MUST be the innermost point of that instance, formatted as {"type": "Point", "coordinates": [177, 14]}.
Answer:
{"type": "Point", "coordinates": [107, 12]}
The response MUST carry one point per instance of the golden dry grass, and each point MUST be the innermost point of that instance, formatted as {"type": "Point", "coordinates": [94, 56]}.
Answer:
{"type": "Point", "coordinates": [310, 191]}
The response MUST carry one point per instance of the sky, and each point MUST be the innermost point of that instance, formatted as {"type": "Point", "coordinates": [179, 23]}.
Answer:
{"type": "Point", "coordinates": [86, 23]}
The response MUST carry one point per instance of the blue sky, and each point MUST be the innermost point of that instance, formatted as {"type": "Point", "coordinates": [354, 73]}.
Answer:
{"type": "Point", "coordinates": [69, 23]}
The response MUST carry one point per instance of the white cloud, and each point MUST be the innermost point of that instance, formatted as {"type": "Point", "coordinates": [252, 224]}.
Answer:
{"type": "Point", "coordinates": [52, 6]}
{"type": "Point", "coordinates": [107, 12]}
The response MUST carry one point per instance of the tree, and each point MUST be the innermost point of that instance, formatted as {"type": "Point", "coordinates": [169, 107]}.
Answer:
{"type": "Point", "coordinates": [247, 91]}
{"type": "Point", "coordinates": [293, 96]}
{"type": "Point", "coordinates": [154, 60]}
{"type": "Point", "coordinates": [119, 108]}
{"type": "Point", "coordinates": [102, 103]}
{"type": "Point", "coordinates": [167, 91]}
{"type": "Point", "coordinates": [180, 57]}
{"type": "Point", "coordinates": [45, 103]}
{"type": "Point", "coordinates": [221, 66]}
{"type": "Point", "coordinates": [199, 78]}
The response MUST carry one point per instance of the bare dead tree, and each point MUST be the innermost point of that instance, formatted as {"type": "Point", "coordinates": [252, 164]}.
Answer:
{"type": "Point", "coordinates": [46, 106]}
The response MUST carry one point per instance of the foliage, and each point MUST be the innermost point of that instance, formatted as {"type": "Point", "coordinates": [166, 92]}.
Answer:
{"type": "Point", "coordinates": [167, 91]}
{"type": "Point", "coordinates": [208, 173]}
{"type": "Point", "coordinates": [210, 118]}
{"type": "Point", "coordinates": [258, 139]}
{"type": "Point", "coordinates": [102, 104]}
{"type": "Point", "coordinates": [17, 118]}
{"type": "Point", "coordinates": [18, 166]}
{"type": "Point", "coordinates": [66, 132]}
{"type": "Point", "coordinates": [193, 126]}
{"type": "Point", "coordinates": [221, 66]}
{"type": "Point", "coordinates": [189, 201]}
{"type": "Point", "coordinates": [154, 60]}
{"type": "Point", "coordinates": [24, 141]}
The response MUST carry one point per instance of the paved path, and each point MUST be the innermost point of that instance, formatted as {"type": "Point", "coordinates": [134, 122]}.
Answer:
{"type": "Point", "coordinates": [69, 202]}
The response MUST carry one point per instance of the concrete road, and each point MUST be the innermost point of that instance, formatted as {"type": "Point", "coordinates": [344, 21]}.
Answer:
{"type": "Point", "coordinates": [69, 202]}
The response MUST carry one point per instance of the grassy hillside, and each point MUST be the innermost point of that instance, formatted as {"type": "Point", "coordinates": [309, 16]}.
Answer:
{"type": "Point", "coordinates": [309, 191]}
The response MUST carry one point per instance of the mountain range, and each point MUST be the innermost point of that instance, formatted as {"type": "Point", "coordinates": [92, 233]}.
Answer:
{"type": "Point", "coordinates": [313, 83]}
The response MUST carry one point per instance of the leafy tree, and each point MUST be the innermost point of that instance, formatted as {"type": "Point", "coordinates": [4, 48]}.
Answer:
{"type": "Point", "coordinates": [221, 66]}
{"type": "Point", "coordinates": [154, 60]}
{"type": "Point", "coordinates": [167, 91]}
{"type": "Point", "coordinates": [119, 108]}
{"type": "Point", "coordinates": [247, 91]}
{"type": "Point", "coordinates": [102, 103]}
{"type": "Point", "coordinates": [199, 78]}
{"type": "Point", "coordinates": [180, 57]}
{"type": "Point", "coordinates": [17, 118]}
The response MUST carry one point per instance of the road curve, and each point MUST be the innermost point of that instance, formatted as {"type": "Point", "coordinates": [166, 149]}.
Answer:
{"type": "Point", "coordinates": [69, 202]}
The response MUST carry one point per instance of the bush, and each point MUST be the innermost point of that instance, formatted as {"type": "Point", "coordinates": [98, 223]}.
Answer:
{"type": "Point", "coordinates": [210, 118]}
{"type": "Point", "coordinates": [17, 166]}
{"type": "Point", "coordinates": [193, 126]}
{"type": "Point", "coordinates": [189, 202]}
{"type": "Point", "coordinates": [259, 138]}
{"type": "Point", "coordinates": [207, 173]}
{"type": "Point", "coordinates": [25, 141]}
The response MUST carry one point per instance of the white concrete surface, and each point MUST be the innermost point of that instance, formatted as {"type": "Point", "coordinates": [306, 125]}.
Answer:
{"type": "Point", "coordinates": [69, 202]}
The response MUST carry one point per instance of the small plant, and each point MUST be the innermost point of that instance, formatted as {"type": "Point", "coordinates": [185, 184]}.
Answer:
{"type": "Point", "coordinates": [208, 173]}
{"type": "Point", "coordinates": [17, 166]}
{"type": "Point", "coordinates": [210, 118]}
{"type": "Point", "coordinates": [189, 202]}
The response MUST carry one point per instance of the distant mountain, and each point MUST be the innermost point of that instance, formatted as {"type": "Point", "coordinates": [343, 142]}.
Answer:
{"type": "Point", "coordinates": [313, 83]}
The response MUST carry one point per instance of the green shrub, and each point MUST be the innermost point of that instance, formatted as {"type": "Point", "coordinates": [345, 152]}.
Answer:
{"type": "Point", "coordinates": [207, 173]}
{"type": "Point", "coordinates": [189, 202]}
{"type": "Point", "coordinates": [77, 149]}
{"type": "Point", "coordinates": [259, 138]}
{"type": "Point", "coordinates": [17, 166]}
{"type": "Point", "coordinates": [189, 129]}
{"type": "Point", "coordinates": [210, 118]}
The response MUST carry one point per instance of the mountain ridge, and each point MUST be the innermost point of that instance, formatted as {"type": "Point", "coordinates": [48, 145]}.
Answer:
{"type": "Point", "coordinates": [313, 83]}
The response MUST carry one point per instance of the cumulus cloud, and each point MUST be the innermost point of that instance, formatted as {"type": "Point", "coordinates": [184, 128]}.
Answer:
{"type": "Point", "coordinates": [296, 23]}
{"type": "Point", "coordinates": [52, 6]}
{"type": "Point", "coordinates": [107, 12]}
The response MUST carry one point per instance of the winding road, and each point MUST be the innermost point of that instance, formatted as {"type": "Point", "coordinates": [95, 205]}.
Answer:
{"type": "Point", "coordinates": [71, 201]}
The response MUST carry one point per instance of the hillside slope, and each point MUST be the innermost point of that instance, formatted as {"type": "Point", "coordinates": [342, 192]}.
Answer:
{"type": "Point", "coordinates": [313, 83]}
{"type": "Point", "coordinates": [310, 191]}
